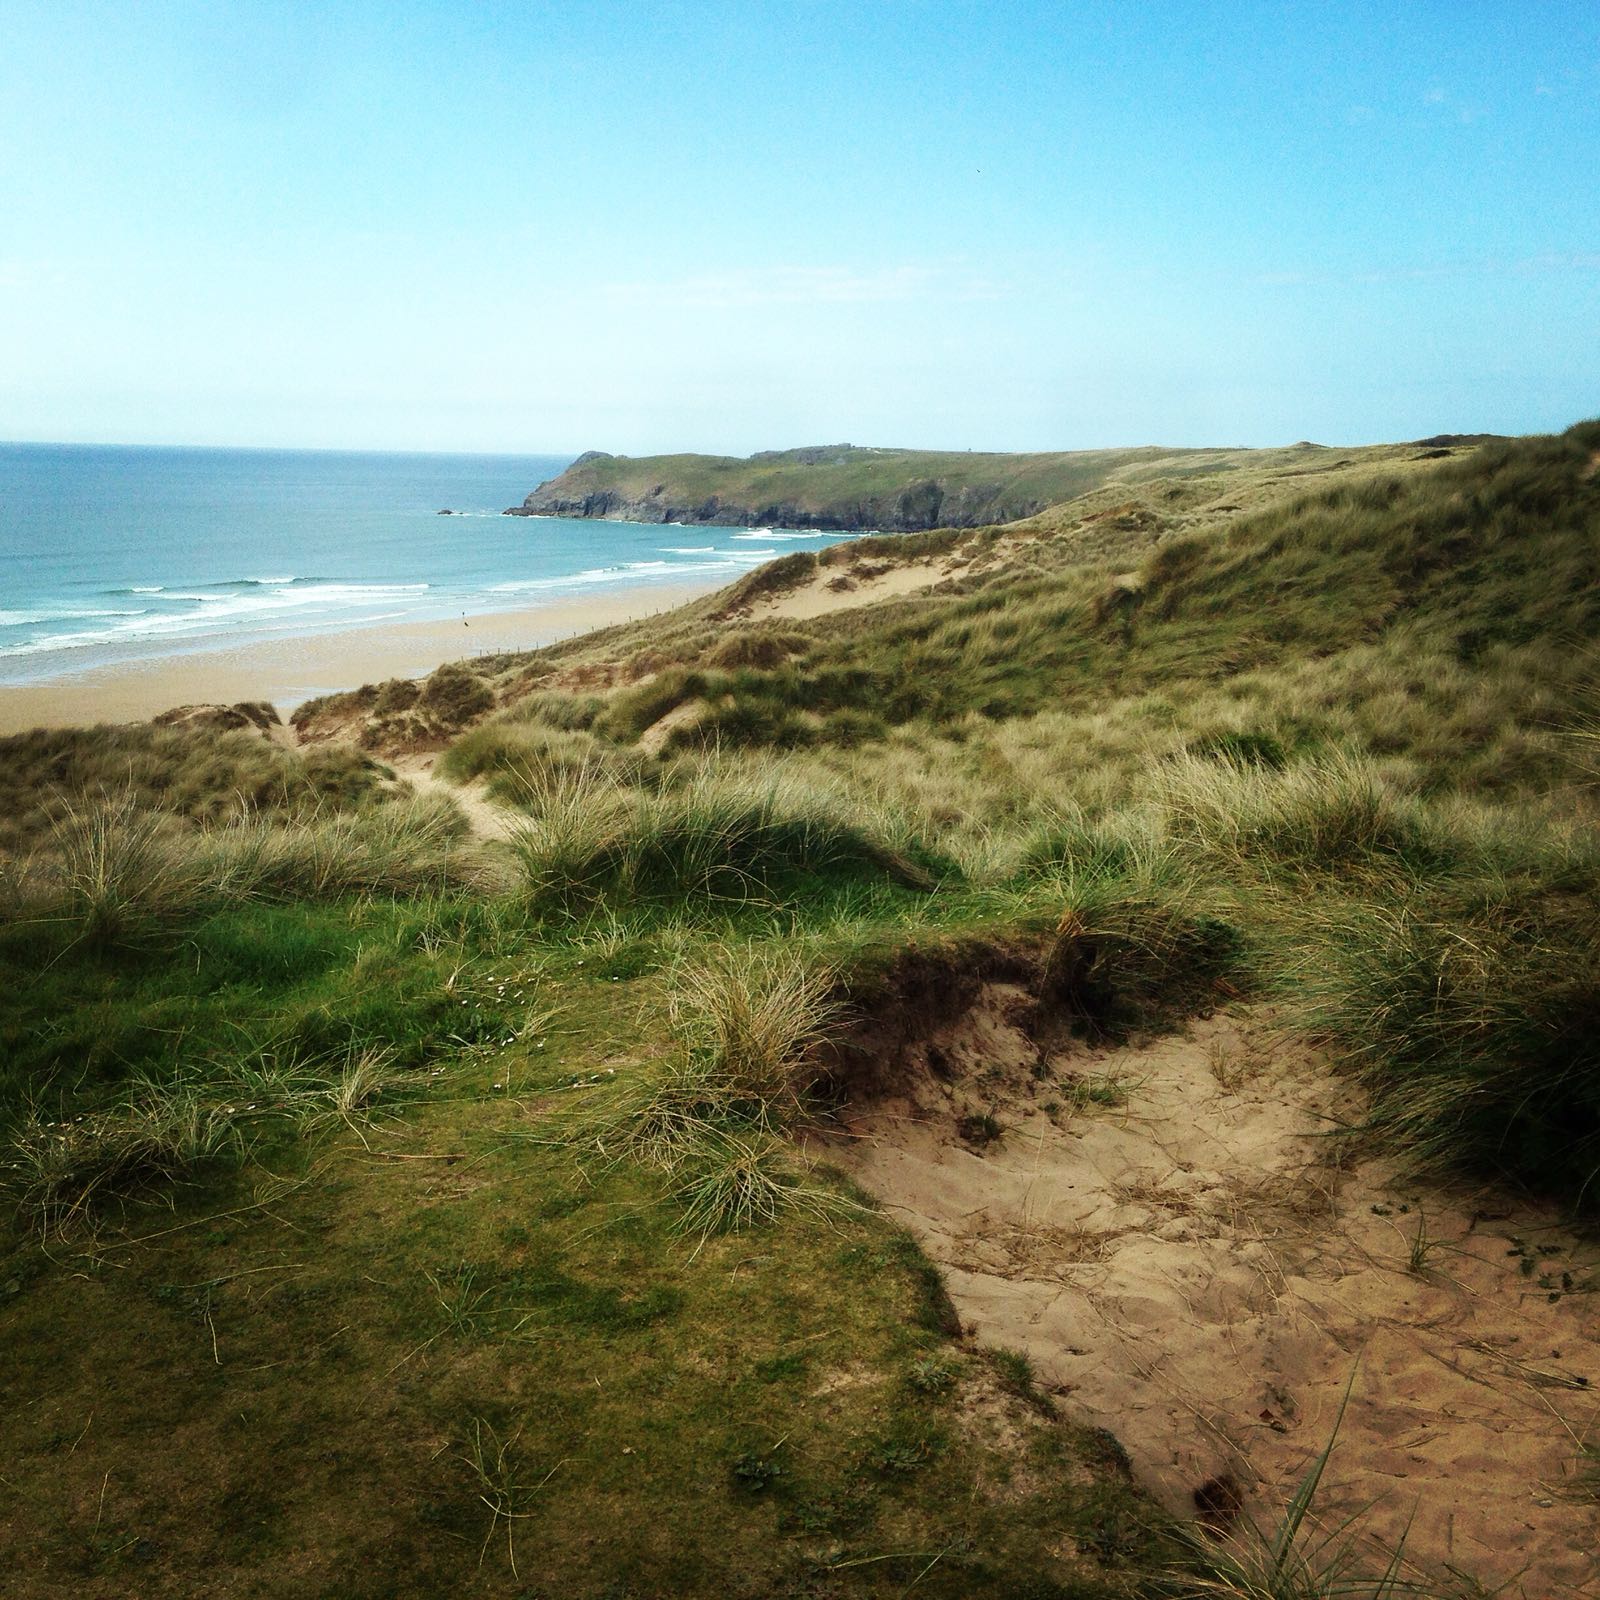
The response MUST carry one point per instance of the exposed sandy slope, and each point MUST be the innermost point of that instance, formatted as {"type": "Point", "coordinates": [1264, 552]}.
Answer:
{"type": "Point", "coordinates": [654, 738]}
{"type": "Point", "coordinates": [1193, 1271]}
{"type": "Point", "coordinates": [826, 592]}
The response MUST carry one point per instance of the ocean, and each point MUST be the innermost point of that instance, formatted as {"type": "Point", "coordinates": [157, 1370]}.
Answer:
{"type": "Point", "coordinates": [111, 554]}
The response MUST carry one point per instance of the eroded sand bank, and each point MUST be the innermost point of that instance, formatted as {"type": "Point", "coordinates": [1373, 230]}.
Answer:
{"type": "Point", "coordinates": [1189, 1260]}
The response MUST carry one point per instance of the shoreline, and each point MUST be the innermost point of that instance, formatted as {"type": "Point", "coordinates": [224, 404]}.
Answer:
{"type": "Point", "coordinates": [288, 671]}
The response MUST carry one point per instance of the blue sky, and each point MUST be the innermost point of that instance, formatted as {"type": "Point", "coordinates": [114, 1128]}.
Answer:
{"type": "Point", "coordinates": [498, 226]}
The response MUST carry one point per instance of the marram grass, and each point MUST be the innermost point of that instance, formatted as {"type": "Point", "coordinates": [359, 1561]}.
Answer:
{"type": "Point", "coordinates": [712, 839]}
{"type": "Point", "coordinates": [1477, 1035]}
{"type": "Point", "coordinates": [713, 1117]}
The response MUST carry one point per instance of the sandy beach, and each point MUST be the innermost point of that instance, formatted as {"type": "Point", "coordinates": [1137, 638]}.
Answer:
{"type": "Point", "coordinates": [290, 670]}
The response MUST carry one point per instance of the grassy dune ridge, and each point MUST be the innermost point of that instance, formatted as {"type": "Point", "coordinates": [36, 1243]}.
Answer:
{"type": "Point", "coordinates": [192, 773]}
{"type": "Point", "coordinates": [466, 1173]}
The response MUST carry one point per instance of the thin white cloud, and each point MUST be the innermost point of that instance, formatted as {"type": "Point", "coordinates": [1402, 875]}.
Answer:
{"type": "Point", "coordinates": [20, 274]}
{"type": "Point", "coordinates": [1561, 261]}
{"type": "Point", "coordinates": [1445, 101]}
{"type": "Point", "coordinates": [1551, 261]}
{"type": "Point", "coordinates": [806, 285]}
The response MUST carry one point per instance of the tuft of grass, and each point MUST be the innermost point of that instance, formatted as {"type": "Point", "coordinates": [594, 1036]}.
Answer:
{"type": "Point", "coordinates": [1423, 1247]}
{"type": "Point", "coordinates": [1477, 1037]}
{"type": "Point", "coordinates": [63, 1170]}
{"type": "Point", "coordinates": [465, 1306]}
{"type": "Point", "coordinates": [574, 832]}
{"type": "Point", "coordinates": [747, 1021]}
{"type": "Point", "coordinates": [521, 758]}
{"type": "Point", "coordinates": [58, 1172]}
{"type": "Point", "coordinates": [932, 1375]}
{"type": "Point", "coordinates": [115, 870]}
{"type": "Point", "coordinates": [365, 1077]}
{"type": "Point", "coordinates": [764, 646]}
{"type": "Point", "coordinates": [407, 846]}
{"type": "Point", "coordinates": [1108, 849]}
{"type": "Point", "coordinates": [745, 1024]}
{"type": "Point", "coordinates": [980, 1129]}
{"type": "Point", "coordinates": [1083, 1090]}
{"type": "Point", "coordinates": [498, 1474]}
{"type": "Point", "coordinates": [728, 1182]}
{"type": "Point", "coordinates": [1296, 1559]}
{"type": "Point", "coordinates": [1017, 1377]}
{"type": "Point", "coordinates": [1322, 816]}
{"type": "Point", "coordinates": [117, 873]}
{"type": "Point", "coordinates": [711, 838]}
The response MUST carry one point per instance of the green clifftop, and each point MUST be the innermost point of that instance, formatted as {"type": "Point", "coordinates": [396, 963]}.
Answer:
{"type": "Point", "coordinates": [850, 487]}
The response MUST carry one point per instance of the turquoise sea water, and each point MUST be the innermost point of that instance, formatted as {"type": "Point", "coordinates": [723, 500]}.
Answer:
{"type": "Point", "coordinates": [111, 553]}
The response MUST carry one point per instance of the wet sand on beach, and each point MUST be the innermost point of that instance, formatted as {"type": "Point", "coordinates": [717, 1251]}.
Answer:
{"type": "Point", "coordinates": [288, 671]}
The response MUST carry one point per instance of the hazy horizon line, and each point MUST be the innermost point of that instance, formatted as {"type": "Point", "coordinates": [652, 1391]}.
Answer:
{"type": "Point", "coordinates": [416, 450]}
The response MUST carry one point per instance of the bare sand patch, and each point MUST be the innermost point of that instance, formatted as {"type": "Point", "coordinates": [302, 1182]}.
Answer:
{"type": "Point", "coordinates": [1169, 1232]}
{"type": "Point", "coordinates": [844, 589]}
{"type": "Point", "coordinates": [654, 738]}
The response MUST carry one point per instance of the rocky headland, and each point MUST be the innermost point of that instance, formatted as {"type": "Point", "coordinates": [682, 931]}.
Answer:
{"type": "Point", "coordinates": [850, 487]}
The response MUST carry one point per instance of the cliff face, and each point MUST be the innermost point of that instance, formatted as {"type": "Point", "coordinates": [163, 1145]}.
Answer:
{"type": "Point", "coordinates": [925, 504]}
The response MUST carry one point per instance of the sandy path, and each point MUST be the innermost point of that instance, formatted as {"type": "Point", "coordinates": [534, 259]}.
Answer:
{"type": "Point", "coordinates": [1193, 1270]}
{"type": "Point", "coordinates": [486, 819]}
